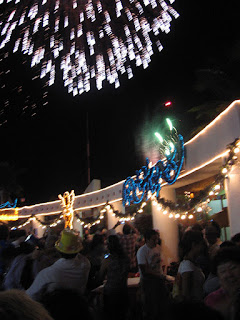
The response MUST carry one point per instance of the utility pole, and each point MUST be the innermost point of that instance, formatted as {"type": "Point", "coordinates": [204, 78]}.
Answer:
{"type": "Point", "coordinates": [88, 151]}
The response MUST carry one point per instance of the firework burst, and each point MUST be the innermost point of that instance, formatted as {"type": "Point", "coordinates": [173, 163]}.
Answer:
{"type": "Point", "coordinates": [86, 39]}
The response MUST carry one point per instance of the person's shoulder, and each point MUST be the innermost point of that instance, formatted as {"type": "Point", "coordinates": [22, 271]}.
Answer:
{"type": "Point", "coordinates": [83, 259]}
{"type": "Point", "coordinates": [142, 249]}
{"type": "Point", "coordinates": [185, 266]}
{"type": "Point", "coordinates": [215, 297]}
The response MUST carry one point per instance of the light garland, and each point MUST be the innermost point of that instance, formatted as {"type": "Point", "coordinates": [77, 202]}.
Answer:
{"type": "Point", "coordinates": [166, 207]}
{"type": "Point", "coordinates": [44, 225]}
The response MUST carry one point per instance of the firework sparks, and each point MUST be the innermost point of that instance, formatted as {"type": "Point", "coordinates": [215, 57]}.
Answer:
{"type": "Point", "coordinates": [86, 39]}
{"type": "Point", "coordinates": [20, 98]}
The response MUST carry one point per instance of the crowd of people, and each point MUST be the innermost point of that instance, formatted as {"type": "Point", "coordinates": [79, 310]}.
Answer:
{"type": "Point", "coordinates": [64, 275]}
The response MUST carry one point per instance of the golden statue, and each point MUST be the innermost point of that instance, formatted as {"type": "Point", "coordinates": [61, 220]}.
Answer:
{"type": "Point", "coordinates": [67, 201]}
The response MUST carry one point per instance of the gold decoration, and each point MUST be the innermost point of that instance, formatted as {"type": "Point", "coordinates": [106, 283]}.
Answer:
{"type": "Point", "coordinates": [67, 201]}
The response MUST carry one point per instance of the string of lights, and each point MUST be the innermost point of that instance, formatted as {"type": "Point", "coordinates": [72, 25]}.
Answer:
{"type": "Point", "coordinates": [85, 39]}
{"type": "Point", "coordinates": [172, 210]}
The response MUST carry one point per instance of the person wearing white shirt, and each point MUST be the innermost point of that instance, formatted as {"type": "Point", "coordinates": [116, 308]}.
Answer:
{"type": "Point", "coordinates": [155, 296]}
{"type": "Point", "coordinates": [70, 271]}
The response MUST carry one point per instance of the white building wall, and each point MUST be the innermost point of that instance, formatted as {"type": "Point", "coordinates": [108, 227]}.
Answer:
{"type": "Point", "coordinates": [168, 229]}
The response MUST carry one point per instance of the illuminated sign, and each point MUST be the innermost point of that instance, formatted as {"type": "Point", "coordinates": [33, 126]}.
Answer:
{"type": "Point", "coordinates": [148, 179]}
{"type": "Point", "coordinates": [10, 214]}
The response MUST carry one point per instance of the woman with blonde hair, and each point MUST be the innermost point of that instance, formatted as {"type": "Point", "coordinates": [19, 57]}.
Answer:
{"type": "Point", "coordinates": [17, 305]}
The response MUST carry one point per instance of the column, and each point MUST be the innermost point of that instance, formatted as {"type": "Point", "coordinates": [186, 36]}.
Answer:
{"type": "Point", "coordinates": [232, 188]}
{"type": "Point", "coordinates": [168, 229]}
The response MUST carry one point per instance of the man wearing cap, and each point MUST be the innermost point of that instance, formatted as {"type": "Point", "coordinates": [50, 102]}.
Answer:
{"type": "Point", "coordinates": [70, 271]}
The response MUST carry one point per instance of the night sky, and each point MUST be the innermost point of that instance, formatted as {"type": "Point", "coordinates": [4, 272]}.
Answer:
{"type": "Point", "coordinates": [48, 149]}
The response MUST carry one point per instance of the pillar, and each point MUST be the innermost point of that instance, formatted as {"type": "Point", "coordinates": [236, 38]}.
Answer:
{"type": "Point", "coordinates": [232, 187]}
{"type": "Point", "coordinates": [168, 229]}
{"type": "Point", "coordinates": [37, 227]}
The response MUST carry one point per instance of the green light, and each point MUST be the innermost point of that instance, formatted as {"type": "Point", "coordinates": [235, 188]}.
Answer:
{"type": "Point", "coordinates": [159, 137]}
{"type": "Point", "coordinates": [169, 122]}
{"type": "Point", "coordinates": [171, 146]}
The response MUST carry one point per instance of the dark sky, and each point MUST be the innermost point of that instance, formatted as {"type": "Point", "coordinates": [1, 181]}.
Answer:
{"type": "Point", "coordinates": [51, 146]}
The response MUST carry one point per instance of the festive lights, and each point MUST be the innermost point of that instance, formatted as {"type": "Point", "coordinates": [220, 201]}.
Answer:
{"type": "Point", "coordinates": [9, 205]}
{"type": "Point", "coordinates": [9, 214]}
{"type": "Point", "coordinates": [67, 201]}
{"type": "Point", "coordinates": [86, 38]}
{"type": "Point", "coordinates": [149, 178]}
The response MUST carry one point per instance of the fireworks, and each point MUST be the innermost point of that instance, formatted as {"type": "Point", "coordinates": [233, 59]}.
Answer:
{"type": "Point", "coordinates": [20, 97]}
{"type": "Point", "coordinates": [86, 39]}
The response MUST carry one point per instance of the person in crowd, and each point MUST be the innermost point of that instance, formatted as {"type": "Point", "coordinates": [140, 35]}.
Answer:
{"type": "Point", "coordinates": [45, 257]}
{"type": "Point", "coordinates": [17, 236]}
{"type": "Point", "coordinates": [95, 255]}
{"type": "Point", "coordinates": [227, 298]}
{"type": "Point", "coordinates": [66, 304]}
{"type": "Point", "coordinates": [4, 244]}
{"type": "Point", "coordinates": [212, 282]}
{"type": "Point", "coordinates": [236, 239]}
{"type": "Point", "coordinates": [154, 294]}
{"type": "Point", "coordinates": [212, 234]}
{"type": "Point", "coordinates": [70, 271]}
{"type": "Point", "coordinates": [115, 268]}
{"type": "Point", "coordinates": [190, 277]}
{"type": "Point", "coordinates": [128, 241]}
{"type": "Point", "coordinates": [17, 305]}
{"type": "Point", "coordinates": [20, 275]}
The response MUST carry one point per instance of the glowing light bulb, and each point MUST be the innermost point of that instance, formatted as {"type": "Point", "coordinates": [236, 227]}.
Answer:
{"type": "Point", "coordinates": [169, 122]}
{"type": "Point", "coordinates": [224, 170]}
{"type": "Point", "coordinates": [160, 138]}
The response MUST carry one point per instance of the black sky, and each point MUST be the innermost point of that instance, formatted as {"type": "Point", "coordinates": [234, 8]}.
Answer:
{"type": "Point", "coordinates": [52, 144]}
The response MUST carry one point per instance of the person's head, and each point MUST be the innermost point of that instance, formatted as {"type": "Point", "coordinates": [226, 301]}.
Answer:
{"type": "Point", "coordinates": [114, 245]}
{"type": "Point", "coordinates": [17, 305]}
{"type": "Point", "coordinates": [96, 241]}
{"type": "Point", "coordinates": [4, 231]}
{"type": "Point", "coordinates": [50, 241]}
{"type": "Point", "coordinates": [226, 265]}
{"type": "Point", "coordinates": [192, 241]}
{"type": "Point", "coordinates": [236, 239]}
{"type": "Point", "coordinates": [227, 243]}
{"type": "Point", "coordinates": [212, 232]}
{"type": "Point", "coordinates": [69, 244]}
{"type": "Point", "coordinates": [126, 229]}
{"type": "Point", "coordinates": [151, 238]}
{"type": "Point", "coordinates": [197, 227]}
